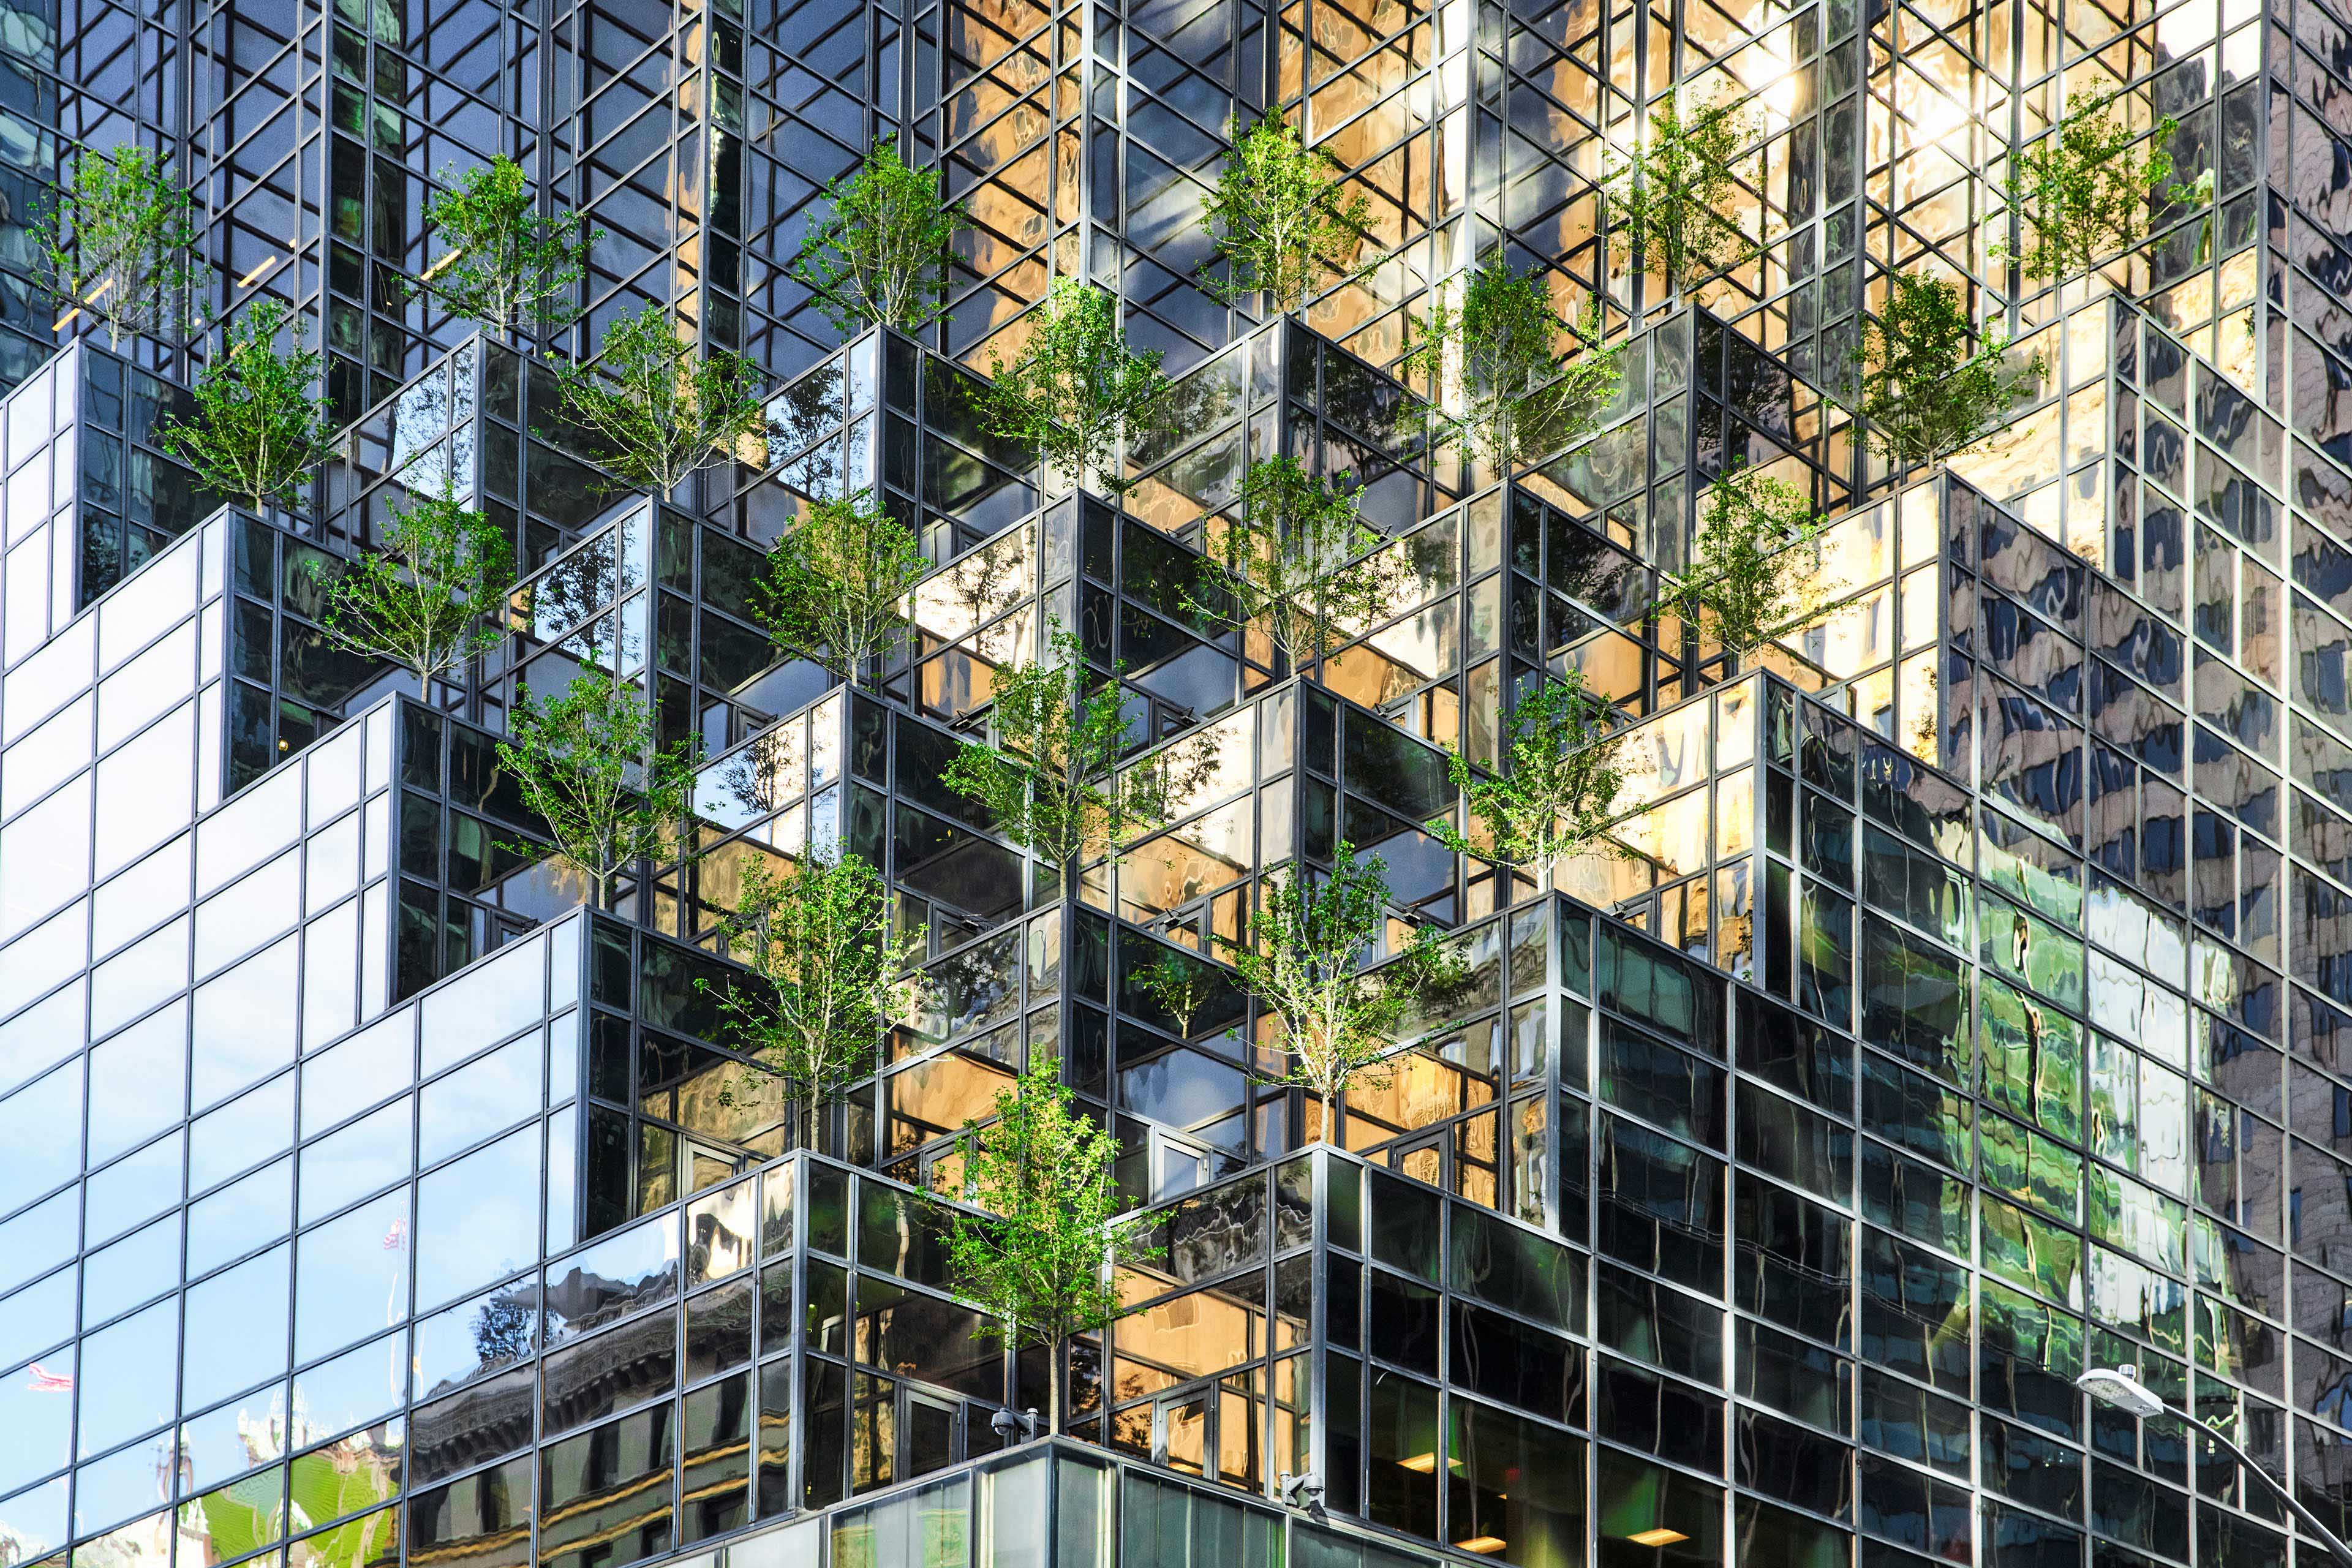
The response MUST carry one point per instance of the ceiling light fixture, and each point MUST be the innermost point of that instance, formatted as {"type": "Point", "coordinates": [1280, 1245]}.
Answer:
{"type": "Point", "coordinates": [1661, 1536]}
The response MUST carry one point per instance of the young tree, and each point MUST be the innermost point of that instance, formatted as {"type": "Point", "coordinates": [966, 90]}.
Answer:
{"type": "Point", "coordinates": [1050, 782]}
{"type": "Point", "coordinates": [259, 429]}
{"type": "Point", "coordinates": [834, 586]}
{"type": "Point", "coordinates": [1560, 790]}
{"type": "Point", "coordinates": [828, 979]}
{"type": "Point", "coordinates": [423, 602]}
{"type": "Point", "coordinates": [1303, 962]}
{"type": "Point", "coordinates": [1672, 203]}
{"type": "Point", "coordinates": [1075, 393]}
{"type": "Point", "coordinates": [1499, 386]}
{"type": "Point", "coordinates": [2081, 193]}
{"type": "Point", "coordinates": [1039, 1257]}
{"type": "Point", "coordinates": [1283, 221]}
{"type": "Point", "coordinates": [881, 258]}
{"type": "Point", "coordinates": [506, 265]}
{"type": "Point", "coordinates": [1299, 560]}
{"type": "Point", "coordinates": [588, 764]}
{"type": "Point", "coordinates": [118, 242]}
{"type": "Point", "coordinates": [1750, 578]}
{"type": "Point", "coordinates": [663, 411]}
{"type": "Point", "coordinates": [1923, 394]}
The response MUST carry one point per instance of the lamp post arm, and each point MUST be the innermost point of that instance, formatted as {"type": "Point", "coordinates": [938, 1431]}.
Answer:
{"type": "Point", "coordinates": [2304, 1516]}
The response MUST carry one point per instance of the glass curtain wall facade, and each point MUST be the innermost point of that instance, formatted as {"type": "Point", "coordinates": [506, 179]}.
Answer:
{"type": "Point", "coordinates": [1960, 998]}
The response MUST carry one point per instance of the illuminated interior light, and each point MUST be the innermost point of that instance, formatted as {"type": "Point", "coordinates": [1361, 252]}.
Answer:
{"type": "Point", "coordinates": [1661, 1536]}
{"type": "Point", "coordinates": [441, 266]}
{"type": "Point", "coordinates": [1482, 1544]}
{"type": "Point", "coordinates": [91, 298]}
{"type": "Point", "coordinates": [62, 322]}
{"type": "Point", "coordinates": [1424, 1464]}
{"type": "Point", "coordinates": [264, 265]}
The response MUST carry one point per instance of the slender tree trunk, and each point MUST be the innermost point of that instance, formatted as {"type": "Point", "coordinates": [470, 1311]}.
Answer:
{"type": "Point", "coordinates": [1055, 1350]}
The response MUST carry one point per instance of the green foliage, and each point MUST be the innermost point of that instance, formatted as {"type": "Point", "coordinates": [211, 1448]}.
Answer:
{"type": "Point", "coordinates": [1050, 781]}
{"type": "Point", "coordinates": [1303, 961]}
{"type": "Point", "coordinates": [118, 242]}
{"type": "Point", "coordinates": [832, 588]}
{"type": "Point", "coordinates": [259, 429]}
{"type": "Point", "coordinates": [588, 763]}
{"type": "Point", "coordinates": [1297, 561]}
{"type": "Point", "coordinates": [1672, 203]}
{"type": "Point", "coordinates": [1283, 221]}
{"type": "Point", "coordinates": [2081, 193]}
{"type": "Point", "coordinates": [1179, 982]}
{"type": "Point", "coordinates": [881, 258]}
{"type": "Point", "coordinates": [505, 265]}
{"type": "Point", "coordinates": [663, 411]}
{"type": "Point", "coordinates": [1500, 387]}
{"type": "Point", "coordinates": [1560, 790]}
{"type": "Point", "coordinates": [828, 979]}
{"type": "Point", "coordinates": [1075, 393]}
{"type": "Point", "coordinates": [1039, 1257]}
{"type": "Point", "coordinates": [1923, 393]}
{"type": "Point", "coordinates": [1750, 578]}
{"type": "Point", "coordinates": [422, 603]}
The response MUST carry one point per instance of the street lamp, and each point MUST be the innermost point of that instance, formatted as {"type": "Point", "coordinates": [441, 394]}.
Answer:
{"type": "Point", "coordinates": [2120, 1388]}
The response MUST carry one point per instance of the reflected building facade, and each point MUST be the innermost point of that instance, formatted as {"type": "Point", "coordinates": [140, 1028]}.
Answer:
{"type": "Point", "coordinates": [1961, 1000]}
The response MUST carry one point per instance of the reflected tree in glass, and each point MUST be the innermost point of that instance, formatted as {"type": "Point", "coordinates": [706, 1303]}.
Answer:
{"type": "Point", "coordinates": [1040, 1257]}
{"type": "Point", "coordinates": [589, 764]}
{"type": "Point", "coordinates": [1559, 793]}
{"type": "Point", "coordinates": [425, 602]}
{"type": "Point", "coordinates": [835, 586]}
{"type": "Point", "coordinates": [1302, 960]}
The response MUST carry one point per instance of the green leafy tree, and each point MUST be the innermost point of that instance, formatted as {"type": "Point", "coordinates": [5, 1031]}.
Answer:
{"type": "Point", "coordinates": [2083, 192]}
{"type": "Point", "coordinates": [1924, 394]}
{"type": "Point", "coordinates": [880, 258]}
{"type": "Point", "coordinates": [1303, 961]}
{"type": "Point", "coordinates": [1075, 393]}
{"type": "Point", "coordinates": [1560, 790]}
{"type": "Point", "coordinates": [425, 600]}
{"type": "Point", "coordinates": [827, 978]}
{"type": "Point", "coordinates": [1750, 577]}
{"type": "Point", "coordinates": [663, 411]}
{"type": "Point", "coordinates": [834, 586]}
{"type": "Point", "coordinates": [1283, 221]}
{"type": "Point", "coordinates": [1039, 1257]}
{"type": "Point", "coordinates": [118, 242]}
{"type": "Point", "coordinates": [588, 763]}
{"type": "Point", "coordinates": [505, 264]}
{"type": "Point", "coordinates": [1297, 561]}
{"type": "Point", "coordinates": [1672, 204]}
{"type": "Point", "coordinates": [1500, 387]}
{"type": "Point", "coordinates": [1050, 780]}
{"type": "Point", "coordinates": [258, 428]}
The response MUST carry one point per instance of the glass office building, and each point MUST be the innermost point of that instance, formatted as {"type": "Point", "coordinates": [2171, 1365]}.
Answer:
{"type": "Point", "coordinates": [1962, 1001]}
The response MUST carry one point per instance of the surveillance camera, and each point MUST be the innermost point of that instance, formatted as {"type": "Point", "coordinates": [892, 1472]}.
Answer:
{"type": "Point", "coordinates": [1303, 1491]}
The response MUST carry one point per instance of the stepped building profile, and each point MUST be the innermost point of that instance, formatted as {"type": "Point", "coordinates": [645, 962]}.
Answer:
{"type": "Point", "coordinates": [1936, 997]}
